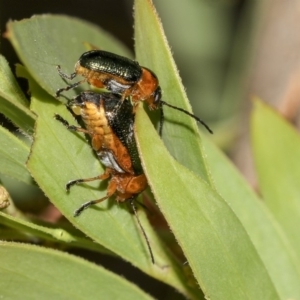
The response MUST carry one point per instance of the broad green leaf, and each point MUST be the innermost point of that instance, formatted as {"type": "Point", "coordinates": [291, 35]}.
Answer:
{"type": "Point", "coordinates": [265, 233]}
{"type": "Point", "coordinates": [13, 103]}
{"type": "Point", "coordinates": [50, 233]}
{"type": "Point", "coordinates": [211, 236]}
{"type": "Point", "coordinates": [276, 146]}
{"type": "Point", "coordinates": [43, 42]}
{"type": "Point", "coordinates": [180, 132]}
{"type": "Point", "coordinates": [30, 272]}
{"type": "Point", "coordinates": [13, 156]}
{"type": "Point", "coordinates": [57, 156]}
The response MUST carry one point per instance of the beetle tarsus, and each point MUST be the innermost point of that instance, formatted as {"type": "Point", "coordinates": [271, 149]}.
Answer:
{"type": "Point", "coordinates": [73, 182]}
{"type": "Point", "coordinates": [83, 207]}
{"type": "Point", "coordinates": [61, 120]}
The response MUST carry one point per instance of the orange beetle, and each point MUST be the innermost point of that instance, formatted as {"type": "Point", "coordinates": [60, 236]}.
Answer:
{"type": "Point", "coordinates": [112, 138]}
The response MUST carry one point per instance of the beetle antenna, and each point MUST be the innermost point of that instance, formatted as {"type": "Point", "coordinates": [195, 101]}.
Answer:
{"type": "Point", "coordinates": [186, 112]}
{"type": "Point", "coordinates": [142, 229]}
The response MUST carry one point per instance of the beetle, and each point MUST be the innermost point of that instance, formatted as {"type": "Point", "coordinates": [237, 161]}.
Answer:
{"type": "Point", "coordinates": [121, 75]}
{"type": "Point", "coordinates": [112, 138]}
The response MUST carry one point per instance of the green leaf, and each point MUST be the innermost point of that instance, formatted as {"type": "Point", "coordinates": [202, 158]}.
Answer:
{"type": "Point", "coordinates": [13, 103]}
{"type": "Point", "coordinates": [263, 230]}
{"type": "Point", "coordinates": [211, 236]}
{"type": "Point", "coordinates": [30, 272]}
{"type": "Point", "coordinates": [13, 157]}
{"type": "Point", "coordinates": [180, 133]}
{"type": "Point", "coordinates": [58, 156]}
{"type": "Point", "coordinates": [50, 233]}
{"type": "Point", "coordinates": [276, 146]}
{"type": "Point", "coordinates": [268, 239]}
{"type": "Point", "coordinates": [43, 42]}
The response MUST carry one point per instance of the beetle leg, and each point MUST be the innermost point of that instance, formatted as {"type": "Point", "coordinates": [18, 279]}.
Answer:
{"type": "Point", "coordinates": [103, 176]}
{"type": "Point", "coordinates": [69, 77]}
{"type": "Point", "coordinates": [85, 205]}
{"type": "Point", "coordinates": [112, 186]}
{"type": "Point", "coordinates": [63, 75]}
{"type": "Point", "coordinates": [69, 87]}
{"type": "Point", "coordinates": [69, 127]}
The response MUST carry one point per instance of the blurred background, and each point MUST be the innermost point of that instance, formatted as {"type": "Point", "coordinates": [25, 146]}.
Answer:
{"type": "Point", "coordinates": [227, 52]}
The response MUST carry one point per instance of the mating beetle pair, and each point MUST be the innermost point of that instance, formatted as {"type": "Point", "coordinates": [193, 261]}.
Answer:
{"type": "Point", "coordinates": [109, 120]}
{"type": "Point", "coordinates": [121, 75]}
